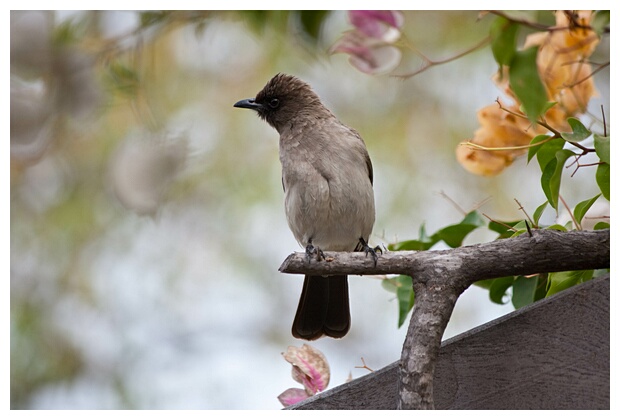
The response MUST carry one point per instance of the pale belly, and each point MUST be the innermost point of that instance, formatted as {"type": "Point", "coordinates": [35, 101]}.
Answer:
{"type": "Point", "coordinates": [332, 216]}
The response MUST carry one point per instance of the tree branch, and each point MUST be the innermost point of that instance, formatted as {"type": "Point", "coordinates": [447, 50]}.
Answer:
{"type": "Point", "coordinates": [439, 278]}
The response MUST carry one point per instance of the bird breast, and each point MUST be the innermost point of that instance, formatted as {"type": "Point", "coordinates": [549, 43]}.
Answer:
{"type": "Point", "coordinates": [329, 199]}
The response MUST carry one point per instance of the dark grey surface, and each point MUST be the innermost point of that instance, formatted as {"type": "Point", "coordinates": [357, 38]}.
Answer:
{"type": "Point", "coordinates": [553, 354]}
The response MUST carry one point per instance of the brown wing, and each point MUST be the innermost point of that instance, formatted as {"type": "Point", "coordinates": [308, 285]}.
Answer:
{"type": "Point", "coordinates": [369, 166]}
{"type": "Point", "coordinates": [366, 155]}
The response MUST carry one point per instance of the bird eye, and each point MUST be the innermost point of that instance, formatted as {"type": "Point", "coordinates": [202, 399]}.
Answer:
{"type": "Point", "coordinates": [274, 103]}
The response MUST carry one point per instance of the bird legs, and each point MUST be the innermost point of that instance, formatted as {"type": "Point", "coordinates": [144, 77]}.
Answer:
{"type": "Point", "coordinates": [362, 246]}
{"type": "Point", "coordinates": [311, 251]}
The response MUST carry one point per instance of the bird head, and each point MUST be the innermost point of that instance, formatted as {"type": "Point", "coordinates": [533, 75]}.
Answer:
{"type": "Point", "coordinates": [284, 100]}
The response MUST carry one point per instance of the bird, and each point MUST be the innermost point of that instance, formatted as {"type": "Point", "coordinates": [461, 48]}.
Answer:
{"type": "Point", "coordinates": [327, 177]}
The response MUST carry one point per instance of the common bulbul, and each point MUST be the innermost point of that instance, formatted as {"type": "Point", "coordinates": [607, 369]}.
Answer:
{"type": "Point", "coordinates": [329, 201]}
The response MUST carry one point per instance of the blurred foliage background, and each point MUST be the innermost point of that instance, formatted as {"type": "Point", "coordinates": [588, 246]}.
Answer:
{"type": "Point", "coordinates": [147, 220]}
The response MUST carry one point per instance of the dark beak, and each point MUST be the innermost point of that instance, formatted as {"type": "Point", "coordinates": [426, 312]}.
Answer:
{"type": "Point", "coordinates": [249, 104]}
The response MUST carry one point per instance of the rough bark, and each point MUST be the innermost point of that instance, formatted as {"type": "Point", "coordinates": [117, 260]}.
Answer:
{"type": "Point", "coordinates": [439, 277]}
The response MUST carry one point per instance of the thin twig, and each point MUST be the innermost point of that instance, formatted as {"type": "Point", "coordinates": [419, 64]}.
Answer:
{"type": "Point", "coordinates": [534, 25]}
{"type": "Point", "coordinates": [579, 165]}
{"type": "Point", "coordinates": [482, 203]}
{"type": "Point", "coordinates": [601, 67]}
{"type": "Point", "coordinates": [365, 366]}
{"type": "Point", "coordinates": [428, 63]}
{"type": "Point", "coordinates": [572, 216]}
{"type": "Point", "coordinates": [505, 148]}
{"type": "Point", "coordinates": [454, 203]}
{"type": "Point", "coordinates": [542, 123]}
{"type": "Point", "coordinates": [529, 24]}
{"type": "Point", "coordinates": [524, 212]}
{"type": "Point", "coordinates": [556, 133]}
{"type": "Point", "coordinates": [576, 161]}
{"type": "Point", "coordinates": [500, 223]}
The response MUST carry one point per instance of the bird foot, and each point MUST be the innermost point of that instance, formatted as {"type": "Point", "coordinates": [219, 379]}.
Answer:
{"type": "Point", "coordinates": [363, 246]}
{"type": "Point", "coordinates": [311, 251]}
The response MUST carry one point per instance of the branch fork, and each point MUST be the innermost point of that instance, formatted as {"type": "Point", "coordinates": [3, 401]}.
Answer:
{"type": "Point", "coordinates": [439, 278]}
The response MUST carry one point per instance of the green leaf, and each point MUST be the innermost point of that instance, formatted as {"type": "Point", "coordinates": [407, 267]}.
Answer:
{"type": "Point", "coordinates": [523, 291]}
{"type": "Point", "coordinates": [424, 243]}
{"type": "Point", "coordinates": [547, 152]}
{"type": "Point", "coordinates": [520, 229]}
{"type": "Point", "coordinates": [545, 181]}
{"type": "Point", "coordinates": [600, 21]}
{"type": "Point", "coordinates": [552, 176]}
{"type": "Point", "coordinates": [404, 293]}
{"type": "Point", "coordinates": [411, 245]}
{"type": "Point", "coordinates": [557, 227]}
{"type": "Point", "coordinates": [65, 33]}
{"type": "Point", "coordinates": [149, 18]}
{"type": "Point", "coordinates": [390, 284]}
{"type": "Point", "coordinates": [311, 22]}
{"type": "Point", "coordinates": [601, 145]}
{"type": "Point", "coordinates": [422, 234]}
{"type": "Point", "coordinates": [402, 287]}
{"type": "Point", "coordinates": [126, 80]}
{"type": "Point", "coordinates": [485, 284]}
{"type": "Point", "coordinates": [565, 279]}
{"type": "Point", "coordinates": [541, 288]}
{"type": "Point", "coordinates": [601, 225]}
{"type": "Point", "coordinates": [454, 235]}
{"type": "Point", "coordinates": [538, 212]}
{"type": "Point", "coordinates": [549, 105]}
{"type": "Point", "coordinates": [503, 40]}
{"type": "Point", "coordinates": [580, 132]}
{"type": "Point", "coordinates": [538, 141]}
{"type": "Point", "coordinates": [602, 179]}
{"type": "Point", "coordinates": [260, 20]}
{"type": "Point", "coordinates": [498, 289]}
{"type": "Point", "coordinates": [503, 228]}
{"type": "Point", "coordinates": [526, 84]}
{"type": "Point", "coordinates": [474, 218]}
{"type": "Point", "coordinates": [518, 233]}
{"type": "Point", "coordinates": [600, 272]}
{"type": "Point", "coordinates": [582, 208]}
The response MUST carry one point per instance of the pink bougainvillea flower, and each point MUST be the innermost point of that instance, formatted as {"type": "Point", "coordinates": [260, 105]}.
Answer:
{"type": "Point", "coordinates": [379, 24]}
{"type": "Point", "coordinates": [369, 45]}
{"type": "Point", "coordinates": [310, 367]}
{"type": "Point", "coordinates": [368, 55]}
{"type": "Point", "coordinates": [292, 396]}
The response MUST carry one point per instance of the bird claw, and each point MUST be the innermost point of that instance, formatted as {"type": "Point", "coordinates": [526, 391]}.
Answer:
{"type": "Point", "coordinates": [311, 251]}
{"type": "Point", "coordinates": [364, 247]}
